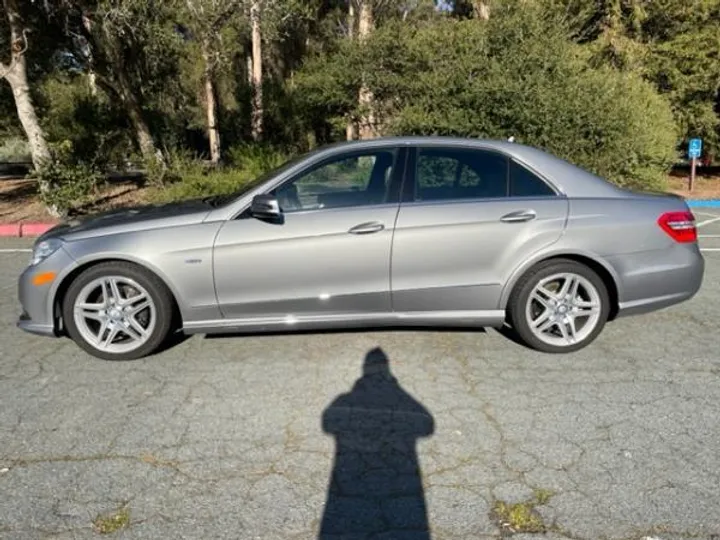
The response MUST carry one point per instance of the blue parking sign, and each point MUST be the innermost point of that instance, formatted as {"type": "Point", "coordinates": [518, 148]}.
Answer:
{"type": "Point", "coordinates": [695, 148]}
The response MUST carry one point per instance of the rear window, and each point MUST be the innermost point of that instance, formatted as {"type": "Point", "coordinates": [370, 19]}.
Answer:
{"type": "Point", "coordinates": [524, 183]}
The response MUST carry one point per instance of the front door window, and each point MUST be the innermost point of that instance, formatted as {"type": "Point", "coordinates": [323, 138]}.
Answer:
{"type": "Point", "coordinates": [361, 179]}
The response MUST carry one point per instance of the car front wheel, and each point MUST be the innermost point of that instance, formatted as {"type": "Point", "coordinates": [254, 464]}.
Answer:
{"type": "Point", "coordinates": [118, 311]}
{"type": "Point", "coordinates": [559, 306]}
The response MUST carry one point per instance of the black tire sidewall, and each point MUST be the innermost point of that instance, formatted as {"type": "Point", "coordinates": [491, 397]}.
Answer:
{"type": "Point", "coordinates": [155, 288]}
{"type": "Point", "coordinates": [523, 289]}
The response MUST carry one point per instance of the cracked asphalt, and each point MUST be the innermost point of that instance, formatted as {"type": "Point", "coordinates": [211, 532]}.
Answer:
{"type": "Point", "coordinates": [383, 435]}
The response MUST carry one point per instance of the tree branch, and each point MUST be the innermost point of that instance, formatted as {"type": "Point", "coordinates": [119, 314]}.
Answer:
{"type": "Point", "coordinates": [14, 55]}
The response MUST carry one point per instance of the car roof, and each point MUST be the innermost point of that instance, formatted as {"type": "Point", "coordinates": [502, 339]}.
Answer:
{"type": "Point", "coordinates": [570, 179]}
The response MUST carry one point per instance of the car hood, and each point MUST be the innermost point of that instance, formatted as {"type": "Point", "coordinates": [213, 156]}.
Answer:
{"type": "Point", "coordinates": [148, 216]}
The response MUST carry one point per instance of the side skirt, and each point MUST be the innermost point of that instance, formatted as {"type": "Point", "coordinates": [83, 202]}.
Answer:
{"type": "Point", "coordinates": [288, 323]}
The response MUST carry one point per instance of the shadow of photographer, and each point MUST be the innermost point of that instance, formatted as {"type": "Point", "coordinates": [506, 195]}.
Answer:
{"type": "Point", "coordinates": [375, 488]}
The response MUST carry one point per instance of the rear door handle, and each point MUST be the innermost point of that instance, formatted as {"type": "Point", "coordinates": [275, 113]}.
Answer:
{"type": "Point", "coordinates": [518, 216]}
{"type": "Point", "coordinates": [367, 228]}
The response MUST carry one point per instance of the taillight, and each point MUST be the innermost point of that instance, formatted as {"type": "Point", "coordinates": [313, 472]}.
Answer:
{"type": "Point", "coordinates": [680, 226]}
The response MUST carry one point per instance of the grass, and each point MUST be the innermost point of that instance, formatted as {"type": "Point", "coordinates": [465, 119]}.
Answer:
{"type": "Point", "coordinates": [543, 496]}
{"type": "Point", "coordinates": [112, 522]}
{"type": "Point", "coordinates": [522, 517]}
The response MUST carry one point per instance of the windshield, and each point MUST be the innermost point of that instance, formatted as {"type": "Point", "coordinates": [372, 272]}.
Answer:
{"type": "Point", "coordinates": [222, 200]}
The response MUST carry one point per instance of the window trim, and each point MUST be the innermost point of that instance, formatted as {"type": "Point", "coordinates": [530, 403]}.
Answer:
{"type": "Point", "coordinates": [394, 188]}
{"type": "Point", "coordinates": [409, 191]}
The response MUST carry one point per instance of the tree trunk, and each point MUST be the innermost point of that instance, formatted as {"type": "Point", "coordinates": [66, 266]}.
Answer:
{"type": "Point", "coordinates": [366, 24]}
{"type": "Point", "coordinates": [144, 138]}
{"type": "Point", "coordinates": [350, 129]}
{"type": "Point", "coordinates": [92, 77]}
{"type": "Point", "coordinates": [213, 131]}
{"type": "Point", "coordinates": [16, 75]}
{"type": "Point", "coordinates": [257, 102]}
{"type": "Point", "coordinates": [481, 10]}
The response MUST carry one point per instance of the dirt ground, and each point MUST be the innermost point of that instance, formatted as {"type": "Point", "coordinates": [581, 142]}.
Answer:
{"type": "Point", "coordinates": [705, 187]}
{"type": "Point", "coordinates": [19, 201]}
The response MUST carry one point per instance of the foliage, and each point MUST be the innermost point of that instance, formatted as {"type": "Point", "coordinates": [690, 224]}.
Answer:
{"type": "Point", "coordinates": [673, 44]}
{"type": "Point", "coordinates": [189, 178]}
{"type": "Point", "coordinates": [516, 75]}
{"type": "Point", "coordinates": [616, 86]}
{"type": "Point", "coordinates": [256, 159]}
{"type": "Point", "coordinates": [14, 150]}
{"type": "Point", "coordinates": [197, 181]}
{"type": "Point", "coordinates": [94, 126]}
{"type": "Point", "coordinates": [70, 183]}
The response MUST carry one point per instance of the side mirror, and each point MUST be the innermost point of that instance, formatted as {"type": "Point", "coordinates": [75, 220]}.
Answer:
{"type": "Point", "coordinates": [266, 207]}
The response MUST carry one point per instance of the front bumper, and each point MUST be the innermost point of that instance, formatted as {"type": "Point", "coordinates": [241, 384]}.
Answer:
{"type": "Point", "coordinates": [37, 301]}
{"type": "Point", "coordinates": [27, 324]}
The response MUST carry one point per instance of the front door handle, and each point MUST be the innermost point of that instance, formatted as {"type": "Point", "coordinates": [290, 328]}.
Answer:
{"type": "Point", "coordinates": [367, 228]}
{"type": "Point", "coordinates": [518, 216]}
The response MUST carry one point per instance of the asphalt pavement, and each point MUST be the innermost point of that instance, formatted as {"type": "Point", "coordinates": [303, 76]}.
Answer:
{"type": "Point", "coordinates": [389, 435]}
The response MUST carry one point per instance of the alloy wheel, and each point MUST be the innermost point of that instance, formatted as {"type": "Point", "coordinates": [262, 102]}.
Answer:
{"type": "Point", "coordinates": [563, 309]}
{"type": "Point", "coordinates": [115, 314]}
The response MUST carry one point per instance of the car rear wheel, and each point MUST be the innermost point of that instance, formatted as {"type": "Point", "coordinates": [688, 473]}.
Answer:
{"type": "Point", "coordinates": [118, 311]}
{"type": "Point", "coordinates": [559, 306]}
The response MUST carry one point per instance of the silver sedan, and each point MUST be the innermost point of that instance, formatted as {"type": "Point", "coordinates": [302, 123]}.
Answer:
{"type": "Point", "coordinates": [393, 232]}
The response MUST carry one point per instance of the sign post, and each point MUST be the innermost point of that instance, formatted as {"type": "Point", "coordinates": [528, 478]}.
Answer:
{"type": "Point", "coordinates": [694, 152]}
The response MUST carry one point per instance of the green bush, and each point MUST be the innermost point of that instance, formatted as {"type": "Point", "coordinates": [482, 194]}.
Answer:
{"type": "Point", "coordinates": [66, 185]}
{"type": "Point", "coordinates": [187, 177]}
{"type": "Point", "coordinates": [190, 178]}
{"type": "Point", "coordinates": [516, 74]}
{"type": "Point", "coordinates": [94, 125]}
{"type": "Point", "coordinates": [256, 159]}
{"type": "Point", "coordinates": [14, 150]}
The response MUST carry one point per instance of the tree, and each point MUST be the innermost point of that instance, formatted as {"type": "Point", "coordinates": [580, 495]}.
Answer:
{"type": "Point", "coordinates": [257, 73]}
{"type": "Point", "coordinates": [206, 20]}
{"type": "Point", "coordinates": [516, 74]}
{"type": "Point", "coordinates": [15, 72]}
{"type": "Point", "coordinates": [675, 44]}
{"type": "Point", "coordinates": [134, 53]}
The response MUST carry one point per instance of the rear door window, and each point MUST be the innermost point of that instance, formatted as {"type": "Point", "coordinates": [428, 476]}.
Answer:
{"type": "Point", "coordinates": [449, 173]}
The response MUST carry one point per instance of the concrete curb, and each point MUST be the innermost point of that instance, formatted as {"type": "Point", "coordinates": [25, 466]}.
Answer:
{"type": "Point", "coordinates": [18, 230]}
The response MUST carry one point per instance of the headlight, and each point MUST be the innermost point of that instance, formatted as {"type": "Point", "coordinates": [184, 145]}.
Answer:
{"type": "Point", "coordinates": [44, 249]}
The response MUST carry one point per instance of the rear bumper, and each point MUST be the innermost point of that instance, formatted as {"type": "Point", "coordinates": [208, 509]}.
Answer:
{"type": "Point", "coordinates": [654, 280]}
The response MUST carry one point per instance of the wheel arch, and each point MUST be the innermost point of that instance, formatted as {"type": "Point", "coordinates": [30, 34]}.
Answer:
{"type": "Point", "coordinates": [64, 283]}
{"type": "Point", "coordinates": [604, 270]}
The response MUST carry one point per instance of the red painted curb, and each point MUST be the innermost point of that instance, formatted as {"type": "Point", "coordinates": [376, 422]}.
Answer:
{"type": "Point", "coordinates": [35, 229]}
{"type": "Point", "coordinates": [24, 229]}
{"type": "Point", "coordinates": [9, 229]}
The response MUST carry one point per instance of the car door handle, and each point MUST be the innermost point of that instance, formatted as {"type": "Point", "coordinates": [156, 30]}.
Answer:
{"type": "Point", "coordinates": [367, 228]}
{"type": "Point", "coordinates": [518, 216]}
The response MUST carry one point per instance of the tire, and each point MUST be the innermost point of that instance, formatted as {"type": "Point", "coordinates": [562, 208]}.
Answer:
{"type": "Point", "coordinates": [128, 327]}
{"type": "Point", "coordinates": [541, 310]}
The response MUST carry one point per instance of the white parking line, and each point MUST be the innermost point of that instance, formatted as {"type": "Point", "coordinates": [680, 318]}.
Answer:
{"type": "Point", "coordinates": [708, 235]}
{"type": "Point", "coordinates": [709, 249]}
{"type": "Point", "coordinates": [708, 222]}
{"type": "Point", "coordinates": [705, 214]}
{"type": "Point", "coordinates": [23, 250]}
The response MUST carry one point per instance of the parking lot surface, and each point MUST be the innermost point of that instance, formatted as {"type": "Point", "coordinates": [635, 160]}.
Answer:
{"type": "Point", "coordinates": [386, 435]}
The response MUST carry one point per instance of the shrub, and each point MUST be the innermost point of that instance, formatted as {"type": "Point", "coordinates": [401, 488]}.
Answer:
{"type": "Point", "coordinates": [66, 185]}
{"type": "Point", "coordinates": [256, 159]}
{"type": "Point", "coordinates": [190, 178]}
{"type": "Point", "coordinates": [15, 150]}
{"type": "Point", "coordinates": [516, 74]}
{"type": "Point", "coordinates": [95, 125]}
